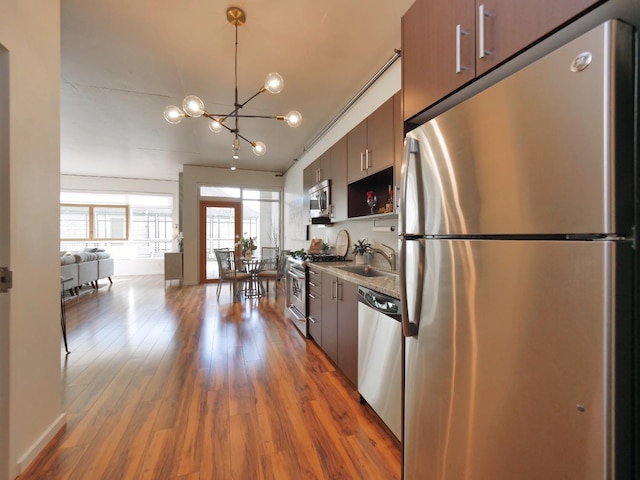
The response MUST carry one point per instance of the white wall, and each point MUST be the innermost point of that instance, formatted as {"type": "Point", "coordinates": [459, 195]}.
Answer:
{"type": "Point", "coordinates": [81, 183]}
{"type": "Point", "coordinates": [193, 177]}
{"type": "Point", "coordinates": [30, 31]}
{"type": "Point", "coordinates": [294, 212]}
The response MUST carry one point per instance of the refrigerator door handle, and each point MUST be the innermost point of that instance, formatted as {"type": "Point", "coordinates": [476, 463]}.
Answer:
{"type": "Point", "coordinates": [410, 328]}
{"type": "Point", "coordinates": [411, 217]}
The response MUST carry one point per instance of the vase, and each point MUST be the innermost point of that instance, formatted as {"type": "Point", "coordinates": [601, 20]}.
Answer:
{"type": "Point", "coordinates": [362, 259]}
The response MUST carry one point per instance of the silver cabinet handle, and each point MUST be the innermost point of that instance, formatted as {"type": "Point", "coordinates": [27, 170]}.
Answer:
{"type": "Point", "coordinates": [313, 320]}
{"type": "Point", "coordinates": [334, 290]}
{"type": "Point", "coordinates": [459, 33]}
{"type": "Point", "coordinates": [367, 166]}
{"type": "Point", "coordinates": [311, 295]}
{"type": "Point", "coordinates": [362, 161]}
{"type": "Point", "coordinates": [482, 13]}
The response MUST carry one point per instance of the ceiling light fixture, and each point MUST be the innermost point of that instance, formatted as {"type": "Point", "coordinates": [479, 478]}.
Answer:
{"type": "Point", "coordinates": [193, 107]}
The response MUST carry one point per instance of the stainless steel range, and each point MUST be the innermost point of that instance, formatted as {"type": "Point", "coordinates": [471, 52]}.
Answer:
{"type": "Point", "coordinates": [297, 308]}
{"type": "Point", "coordinates": [297, 283]}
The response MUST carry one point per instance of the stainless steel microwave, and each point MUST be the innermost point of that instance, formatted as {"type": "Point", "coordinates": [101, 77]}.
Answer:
{"type": "Point", "coordinates": [320, 202]}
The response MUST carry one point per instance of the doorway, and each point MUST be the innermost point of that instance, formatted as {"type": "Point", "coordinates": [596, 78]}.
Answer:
{"type": "Point", "coordinates": [220, 224]}
{"type": "Point", "coordinates": [4, 261]}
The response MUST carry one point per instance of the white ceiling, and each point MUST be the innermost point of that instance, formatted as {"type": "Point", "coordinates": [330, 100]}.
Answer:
{"type": "Point", "coordinates": [123, 61]}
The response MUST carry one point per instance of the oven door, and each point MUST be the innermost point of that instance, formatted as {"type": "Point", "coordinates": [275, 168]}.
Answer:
{"type": "Point", "coordinates": [297, 298]}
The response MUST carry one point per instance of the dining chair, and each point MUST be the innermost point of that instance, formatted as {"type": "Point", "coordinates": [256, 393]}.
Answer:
{"type": "Point", "coordinates": [274, 271]}
{"type": "Point", "coordinates": [227, 271]}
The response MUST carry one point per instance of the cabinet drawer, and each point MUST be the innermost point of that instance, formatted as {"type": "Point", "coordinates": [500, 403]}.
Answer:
{"type": "Point", "coordinates": [315, 282]}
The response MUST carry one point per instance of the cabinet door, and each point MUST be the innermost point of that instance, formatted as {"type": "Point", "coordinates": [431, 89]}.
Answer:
{"type": "Point", "coordinates": [337, 171]}
{"type": "Point", "coordinates": [430, 48]}
{"type": "Point", "coordinates": [380, 147]}
{"type": "Point", "coordinates": [356, 146]}
{"type": "Point", "coordinates": [348, 330]}
{"type": "Point", "coordinates": [511, 25]}
{"type": "Point", "coordinates": [329, 322]}
{"type": "Point", "coordinates": [310, 175]}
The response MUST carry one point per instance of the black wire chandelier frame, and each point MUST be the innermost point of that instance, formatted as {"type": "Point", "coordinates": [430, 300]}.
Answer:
{"type": "Point", "coordinates": [193, 106]}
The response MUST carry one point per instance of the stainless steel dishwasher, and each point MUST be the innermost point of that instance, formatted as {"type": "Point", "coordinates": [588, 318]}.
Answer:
{"type": "Point", "coordinates": [380, 356]}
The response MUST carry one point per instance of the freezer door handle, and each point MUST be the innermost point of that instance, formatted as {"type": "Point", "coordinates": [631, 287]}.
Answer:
{"type": "Point", "coordinates": [409, 327]}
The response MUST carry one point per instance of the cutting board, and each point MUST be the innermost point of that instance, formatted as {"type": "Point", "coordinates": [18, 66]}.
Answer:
{"type": "Point", "coordinates": [342, 243]}
{"type": "Point", "coordinates": [316, 245]}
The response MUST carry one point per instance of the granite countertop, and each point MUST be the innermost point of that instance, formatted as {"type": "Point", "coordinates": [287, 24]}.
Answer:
{"type": "Point", "coordinates": [387, 284]}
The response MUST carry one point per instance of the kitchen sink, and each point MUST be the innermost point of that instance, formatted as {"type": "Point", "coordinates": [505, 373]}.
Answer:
{"type": "Point", "coordinates": [365, 271]}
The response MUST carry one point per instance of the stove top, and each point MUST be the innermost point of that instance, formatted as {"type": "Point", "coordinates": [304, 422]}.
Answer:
{"type": "Point", "coordinates": [316, 257]}
{"type": "Point", "coordinates": [322, 257]}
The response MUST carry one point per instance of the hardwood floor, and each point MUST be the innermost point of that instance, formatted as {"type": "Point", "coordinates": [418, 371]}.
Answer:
{"type": "Point", "coordinates": [169, 383]}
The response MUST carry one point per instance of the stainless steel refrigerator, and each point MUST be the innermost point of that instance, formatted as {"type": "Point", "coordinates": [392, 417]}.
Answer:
{"type": "Point", "coordinates": [517, 267]}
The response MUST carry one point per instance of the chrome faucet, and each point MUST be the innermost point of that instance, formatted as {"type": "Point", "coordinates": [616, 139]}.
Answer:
{"type": "Point", "coordinates": [389, 257]}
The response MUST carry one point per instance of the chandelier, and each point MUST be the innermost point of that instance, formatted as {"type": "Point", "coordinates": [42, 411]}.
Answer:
{"type": "Point", "coordinates": [193, 107]}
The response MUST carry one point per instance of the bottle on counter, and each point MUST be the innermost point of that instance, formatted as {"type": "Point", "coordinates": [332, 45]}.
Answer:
{"type": "Point", "coordinates": [389, 204]}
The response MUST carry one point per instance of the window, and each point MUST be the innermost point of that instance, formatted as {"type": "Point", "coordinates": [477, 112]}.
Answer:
{"type": "Point", "coordinates": [151, 230]}
{"type": "Point", "coordinates": [93, 222]}
{"type": "Point", "coordinates": [261, 213]}
{"type": "Point", "coordinates": [126, 225]}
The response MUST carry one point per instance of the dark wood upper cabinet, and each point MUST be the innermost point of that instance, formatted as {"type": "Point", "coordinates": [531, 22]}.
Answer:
{"type": "Point", "coordinates": [429, 42]}
{"type": "Point", "coordinates": [337, 172]}
{"type": "Point", "coordinates": [509, 26]}
{"type": "Point", "coordinates": [370, 146]}
{"type": "Point", "coordinates": [446, 45]}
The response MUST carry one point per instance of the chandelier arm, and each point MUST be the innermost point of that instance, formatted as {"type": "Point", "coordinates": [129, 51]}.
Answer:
{"type": "Point", "coordinates": [274, 117]}
{"type": "Point", "coordinates": [253, 144]}
{"type": "Point", "coordinates": [262, 90]}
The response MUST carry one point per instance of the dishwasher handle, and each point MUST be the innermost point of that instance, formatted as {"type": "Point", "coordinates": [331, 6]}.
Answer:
{"type": "Point", "coordinates": [380, 302]}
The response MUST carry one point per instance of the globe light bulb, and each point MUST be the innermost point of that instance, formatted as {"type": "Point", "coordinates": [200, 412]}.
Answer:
{"type": "Point", "coordinates": [293, 118]}
{"type": "Point", "coordinates": [274, 83]}
{"type": "Point", "coordinates": [173, 114]}
{"type": "Point", "coordinates": [259, 149]}
{"type": "Point", "coordinates": [215, 126]}
{"type": "Point", "coordinates": [193, 106]}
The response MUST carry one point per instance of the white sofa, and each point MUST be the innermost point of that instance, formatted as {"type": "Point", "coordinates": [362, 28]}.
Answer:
{"type": "Point", "coordinates": [86, 267]}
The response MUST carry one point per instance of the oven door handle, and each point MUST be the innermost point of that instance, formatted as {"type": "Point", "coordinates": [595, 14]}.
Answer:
{"type": "Point", "coordinates": [296, 275]}
{"type": "Point", "coordinates": [296, 313]}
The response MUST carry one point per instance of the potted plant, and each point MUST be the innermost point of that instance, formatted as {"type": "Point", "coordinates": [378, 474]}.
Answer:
{"type": "Point", "coordinates": [362, 251]}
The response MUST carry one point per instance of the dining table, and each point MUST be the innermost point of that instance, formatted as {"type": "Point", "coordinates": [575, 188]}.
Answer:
{"type": "Point", "coordinates": [252, 287]}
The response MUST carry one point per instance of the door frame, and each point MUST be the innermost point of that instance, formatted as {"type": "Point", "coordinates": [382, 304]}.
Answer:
{"type": "Point", "coordinates": [202, 237]}
{"type": "Point", "coordinates": [5, 237]}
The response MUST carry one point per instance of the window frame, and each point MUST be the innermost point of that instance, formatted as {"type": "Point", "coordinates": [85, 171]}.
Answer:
{"type": "Point", "coordinates": [92, 237]}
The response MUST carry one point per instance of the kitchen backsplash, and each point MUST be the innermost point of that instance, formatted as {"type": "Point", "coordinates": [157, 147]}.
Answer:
{"type": "Point", "coordinates": [358, 229]}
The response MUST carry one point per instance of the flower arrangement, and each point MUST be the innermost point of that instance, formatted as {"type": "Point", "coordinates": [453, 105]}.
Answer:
{"type": "Point", "coordinates": [247, 244]}
{"type": "Point", "coordinates": [179, 238]}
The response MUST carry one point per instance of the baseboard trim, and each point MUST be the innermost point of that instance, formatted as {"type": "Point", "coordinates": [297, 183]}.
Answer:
{"type": "Point", "coordinates": [57, 427]}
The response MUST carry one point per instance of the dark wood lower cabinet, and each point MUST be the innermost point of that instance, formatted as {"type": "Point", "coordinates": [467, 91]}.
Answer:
{"type": "Point", "coordinates": [348, 330]}
{"type": "Point", "coordinates": [340, 324]}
